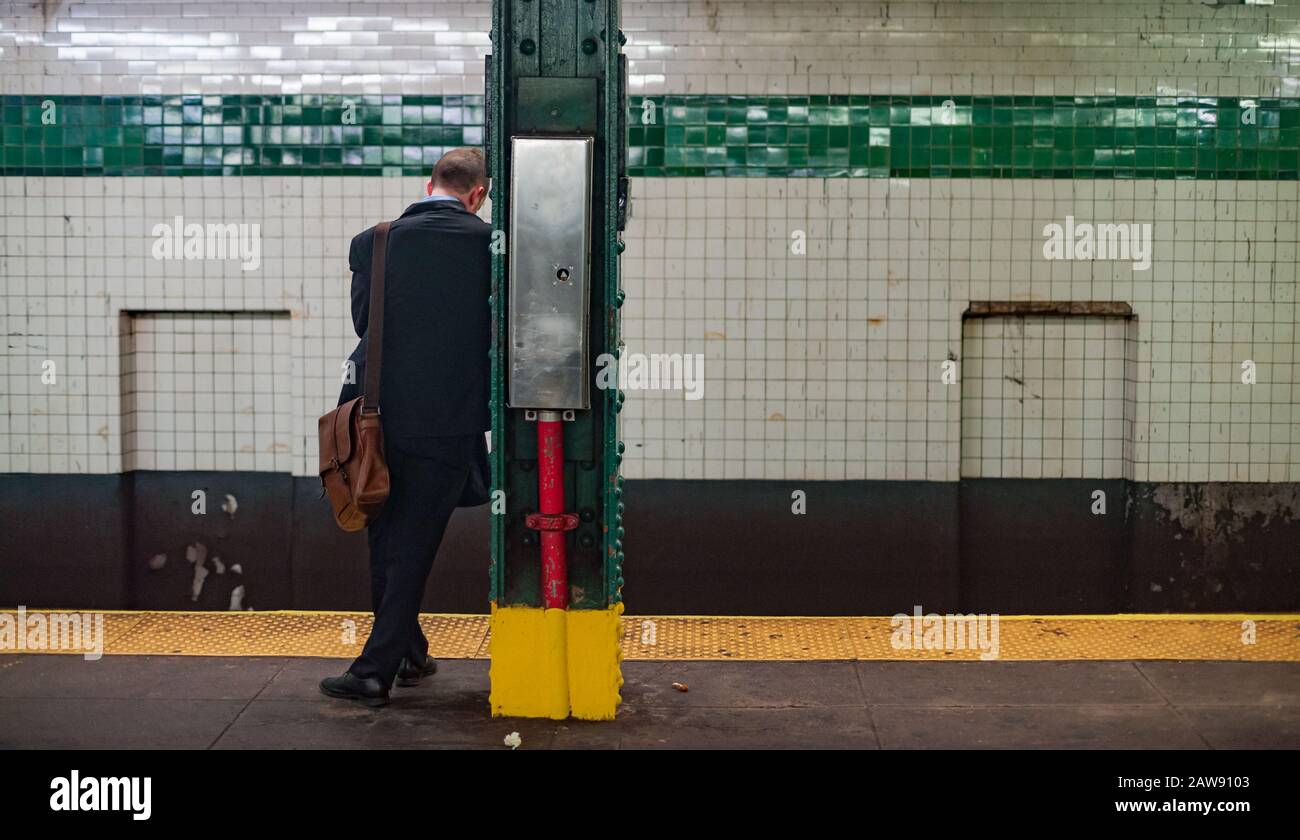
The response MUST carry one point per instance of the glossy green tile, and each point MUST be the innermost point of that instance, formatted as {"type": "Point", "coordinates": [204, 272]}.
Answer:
{"type": "Point", "coordinates": [738, 136]}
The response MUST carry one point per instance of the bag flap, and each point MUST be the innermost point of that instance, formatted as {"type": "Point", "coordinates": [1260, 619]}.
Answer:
{"type": "Point", "coordinates": [335, 432]}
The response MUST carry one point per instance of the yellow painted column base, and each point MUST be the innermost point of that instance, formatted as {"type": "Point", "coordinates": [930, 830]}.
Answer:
{"type": "Point", "coordinates": [555, 663]}
{"type": "Point", "coordinates": [595, 662]}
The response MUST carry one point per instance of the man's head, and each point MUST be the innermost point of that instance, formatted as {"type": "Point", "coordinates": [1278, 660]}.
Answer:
{"type": "Point", "coordinates": [462, 174]}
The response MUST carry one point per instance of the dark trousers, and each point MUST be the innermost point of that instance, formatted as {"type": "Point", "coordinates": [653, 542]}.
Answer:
{"type": "Point", "coordinates": [427, 476]}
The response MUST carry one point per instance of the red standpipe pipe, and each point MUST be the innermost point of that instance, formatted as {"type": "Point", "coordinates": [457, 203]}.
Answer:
{"type": "Point", "coordinates": [550, 498]}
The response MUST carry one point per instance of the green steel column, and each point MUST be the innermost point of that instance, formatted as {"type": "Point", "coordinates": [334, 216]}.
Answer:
{"type": "Point", "coordinates": [556, 69]}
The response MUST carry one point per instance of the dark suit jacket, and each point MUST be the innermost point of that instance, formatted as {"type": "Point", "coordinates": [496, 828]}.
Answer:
{"type": "Point", "coordinates": [437, 326]}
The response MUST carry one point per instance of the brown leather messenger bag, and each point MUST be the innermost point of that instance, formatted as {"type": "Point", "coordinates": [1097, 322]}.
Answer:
{"type": "Point", "coordinates": [353, 471]}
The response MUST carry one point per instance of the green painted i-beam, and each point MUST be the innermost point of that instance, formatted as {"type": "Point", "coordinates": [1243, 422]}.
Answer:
{"type": "Point", "coordinates": [556, 71]}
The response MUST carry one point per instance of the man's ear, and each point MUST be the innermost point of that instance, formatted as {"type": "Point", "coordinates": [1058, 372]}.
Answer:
{"type": "Point", "coordinates": [428, 187]}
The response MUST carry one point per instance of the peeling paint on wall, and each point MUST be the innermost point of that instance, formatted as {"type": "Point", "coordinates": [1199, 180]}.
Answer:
{"type": "Point", "coordinates": [1215, 513]}
{"type": "Point", "coordinates": [1214, 523]}
{"type": "Point", "coordinates": [200, 554]}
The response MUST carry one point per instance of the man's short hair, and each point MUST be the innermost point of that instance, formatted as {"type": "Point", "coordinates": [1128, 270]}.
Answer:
{"type": "Point", "coordinates": [461, 170]}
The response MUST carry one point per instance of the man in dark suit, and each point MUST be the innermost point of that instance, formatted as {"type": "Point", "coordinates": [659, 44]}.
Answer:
{"type": "Point", "coordinates": [433, 406]}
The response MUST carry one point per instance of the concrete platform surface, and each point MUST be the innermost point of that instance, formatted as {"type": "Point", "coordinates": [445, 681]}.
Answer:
{"type": "Point", "coordinates": [189, 702]}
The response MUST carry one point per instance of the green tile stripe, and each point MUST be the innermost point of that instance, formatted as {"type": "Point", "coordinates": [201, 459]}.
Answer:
{"type": "Point", "coordinates": [235, 134]}
{"type": "Point", "coordinates": [969, 137]}
{"type": "Point", "coordinates": [686, 135]}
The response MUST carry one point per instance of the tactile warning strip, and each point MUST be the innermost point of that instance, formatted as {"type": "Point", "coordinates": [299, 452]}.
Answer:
{"type": "Point", "coordinates": [1266, 637]}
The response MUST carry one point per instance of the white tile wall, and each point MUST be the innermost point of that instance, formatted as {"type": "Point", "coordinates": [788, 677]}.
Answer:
{"type": "Point", "coordinates": [1048, 397]}
{"type": "Point", "coordinates": [827, 365]}
{"type": "Point", "coordinates": [76, 252]}
{"type": "Point", "coordinates": [674, 46]}
{"type": "Point", "coordinates": [207, 391]}
{"type": "Point", "coordinates": [1124, 47]}
{"type": "Point", "coordinates": [823, 365]}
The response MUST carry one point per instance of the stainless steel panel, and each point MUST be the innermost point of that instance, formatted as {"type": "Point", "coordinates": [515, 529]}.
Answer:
{"type": "Point", "coordinates": [549, 250]}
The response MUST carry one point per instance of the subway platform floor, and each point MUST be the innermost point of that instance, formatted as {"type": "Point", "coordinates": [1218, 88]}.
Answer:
{"type": "Point", "coordinates": [256, 702]}
{"type": "Point", "coordinates": [232, 680]}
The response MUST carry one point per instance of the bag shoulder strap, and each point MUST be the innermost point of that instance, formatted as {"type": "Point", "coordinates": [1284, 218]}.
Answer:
{"type": "Point", "coordinates": [375, 320]}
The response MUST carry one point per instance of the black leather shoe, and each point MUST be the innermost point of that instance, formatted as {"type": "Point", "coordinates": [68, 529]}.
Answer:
{"type": "Point", "coordinates": [368, 691]}
{"type": "Point", "coordinates": [409, 676]}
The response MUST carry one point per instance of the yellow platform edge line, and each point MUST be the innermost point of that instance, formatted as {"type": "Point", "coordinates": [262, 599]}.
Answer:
{"type": "Point", "coordinates": [1261, 637]}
